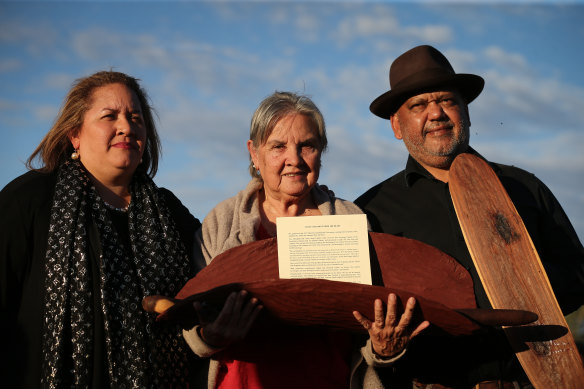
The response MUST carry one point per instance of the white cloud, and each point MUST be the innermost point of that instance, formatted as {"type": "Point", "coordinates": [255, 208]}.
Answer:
{"type": "Point", "coordinates": [503, 58]}
{"type": "Point", "coordinates": [365, 26]}
{"type": "Point", "coordinates": [34, 38]}
{"type": "Point", "coordinates": [307, 24]}
{"type": "Point", "coordinates": [382, 25]}
{"type": "Point", "coordinates": [10, 64]}
{"type": "Point", "coordinates": [46, 113]}
{"type": "Point", "coordinates": [61, 81]}
{"type": "Point", "coordinates": [434, 34]}
{"type": "Point", "coordinates": [7, 105]}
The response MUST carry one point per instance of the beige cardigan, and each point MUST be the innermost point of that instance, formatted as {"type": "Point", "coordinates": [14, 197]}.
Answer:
{"type": "Point", "coordinates": [234, 222]}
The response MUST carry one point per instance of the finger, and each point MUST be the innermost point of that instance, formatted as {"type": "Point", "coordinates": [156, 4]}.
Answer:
{"type": "Point", "coordinates": [227, 311]}
{"type": "Point", "coordinates": [239, 301]}
{"type": "Point", "coordinates": [378, 313]}
{"type": "Point", "coordinates": [229, 301]}
{"type": "Point", "coordinates": [238, 312]}
{"type": "Point", "coordinates": [391, 317]}
{"type": "Point", "coordinates": [362, 319]}
{"type": "Point", "coordinates": [406, 317]}
{"type": "Point", "coordinates": [425, 324]}
{"type": "Point", "coordinates": [247, 324]}
{"type": "Point", "coordinates": [249, 308]}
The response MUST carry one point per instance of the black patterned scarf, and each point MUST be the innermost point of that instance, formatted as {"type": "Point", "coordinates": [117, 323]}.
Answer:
{"type": "Point", "coordinates": [140, 352]}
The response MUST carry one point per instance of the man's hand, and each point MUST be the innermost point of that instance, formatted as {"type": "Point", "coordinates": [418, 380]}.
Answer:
{"type": "Point", "coordinates": [389, 336]}
{"type": "Point", "coordinates": [233, 322]}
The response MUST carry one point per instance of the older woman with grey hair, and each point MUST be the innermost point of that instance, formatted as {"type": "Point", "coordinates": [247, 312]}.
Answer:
{"type": "Point", "coordinates": [287, 139]}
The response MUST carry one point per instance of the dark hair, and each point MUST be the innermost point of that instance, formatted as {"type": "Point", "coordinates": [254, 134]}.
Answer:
{"type": "Point", "coordinates": [56, 147]}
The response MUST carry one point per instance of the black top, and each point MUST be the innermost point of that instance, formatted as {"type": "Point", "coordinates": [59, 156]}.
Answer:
{"type": "Point", "coordinates": [415, 205]}
{"type": "Point", "coordinates": [25, 206]}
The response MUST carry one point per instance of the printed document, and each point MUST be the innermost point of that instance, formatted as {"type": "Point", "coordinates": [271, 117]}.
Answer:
{"type": "Point", "coordinates": [327, 247]}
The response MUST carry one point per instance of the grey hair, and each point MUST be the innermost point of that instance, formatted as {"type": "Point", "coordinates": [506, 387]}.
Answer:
{"type": "Point", "coordinates": [275, 107]}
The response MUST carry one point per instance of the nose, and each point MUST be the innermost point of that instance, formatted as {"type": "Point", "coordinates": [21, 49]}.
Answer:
{"type": "Point", "coordinates": [125, 126]}
{"type": "Point", "coordinates": [293, 156]}
{"type": "Point", "coordinates": [435, 110]}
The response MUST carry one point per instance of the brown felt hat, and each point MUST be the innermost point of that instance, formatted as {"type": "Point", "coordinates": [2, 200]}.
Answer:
{"type": "Point", "coordinates": [419, 70]}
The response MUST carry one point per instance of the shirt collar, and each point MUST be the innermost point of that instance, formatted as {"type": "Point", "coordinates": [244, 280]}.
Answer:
{"type": "Point", "coordinates": [415, 171]}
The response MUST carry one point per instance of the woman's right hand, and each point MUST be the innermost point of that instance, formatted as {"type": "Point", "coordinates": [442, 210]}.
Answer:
{"type": "Point", "coordinates": [233, 322]}
{"type": "Point", "coordinates": [390, 333]}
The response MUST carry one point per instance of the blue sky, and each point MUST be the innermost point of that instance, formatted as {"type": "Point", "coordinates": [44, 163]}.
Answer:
{"type": "Point", "coordinates": [206, 66]}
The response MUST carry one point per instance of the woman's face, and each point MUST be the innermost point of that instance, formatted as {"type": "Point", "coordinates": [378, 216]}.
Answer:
{"type": "Point", "coordinates": [112, 138]}
{"type": "Point", "coordinates": [289, 160]}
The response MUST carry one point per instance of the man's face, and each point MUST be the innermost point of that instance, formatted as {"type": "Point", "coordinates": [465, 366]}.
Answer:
{"type": "Point", "coordinates": [434, 127]}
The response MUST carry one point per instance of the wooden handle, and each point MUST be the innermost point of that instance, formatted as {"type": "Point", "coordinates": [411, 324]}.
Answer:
{"type": "Point", "coordinates": [499, 317]}
{"type": "Point", "coordinates": [157, 304]}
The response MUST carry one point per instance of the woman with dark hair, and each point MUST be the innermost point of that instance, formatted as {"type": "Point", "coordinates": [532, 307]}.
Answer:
{"type": "Point", "coordinates": [83, 238]}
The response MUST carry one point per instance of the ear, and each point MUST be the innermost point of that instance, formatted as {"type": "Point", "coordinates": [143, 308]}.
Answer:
{"type": "Point", "coordinates": [252, 152]}
{"type": "Point", "coordinates": [395, 126]}
{"type": "Point", "coordinates": [74, 139]}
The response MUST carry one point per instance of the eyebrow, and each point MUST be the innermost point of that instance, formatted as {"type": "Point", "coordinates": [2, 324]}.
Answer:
{"type": "Point", "coordinates": [273, 141]}
{"type": "Point", "coordinates": [312, 138]}
{"type": "Point", "coordinates": [440, 95]}
{"type": "Point", "coordinates": [117, 110]}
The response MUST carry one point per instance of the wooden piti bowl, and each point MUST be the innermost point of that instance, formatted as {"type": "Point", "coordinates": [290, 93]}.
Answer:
{"type": "Point", "coordinates": [442, 287]}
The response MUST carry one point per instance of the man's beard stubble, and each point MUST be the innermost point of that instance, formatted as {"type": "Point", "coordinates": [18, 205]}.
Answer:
{"type": "Point", "coordinates": [442, 157]}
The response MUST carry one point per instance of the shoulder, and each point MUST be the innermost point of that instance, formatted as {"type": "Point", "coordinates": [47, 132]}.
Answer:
{"type": "Point", "coordinates": [181, 214]}
{"type": "Point", "coordinates": [31, 180]}
{"type": "Point", "coordinates": [25, 206]}
{"type": "Point", "coordinates": [31, 187]}
{"type": "Point", "coordinates": [241, 203]}
{"type": "Point", "coordinates": [518, 181]}
{"type": "Point", "coordinates": [379, 192]}
{"type": "Point", "coordinates": [171, 200]}
{"type": "Point", "coordinates": [328, 204]}
{"type": "Point", "coordinates": [503, 170]}
{"type": "Point", "coordinates": [231, 223]}
{"type": "Point", "coordinates": [224, 209]}
{"type": "Point", "coordinates": [345, 207]}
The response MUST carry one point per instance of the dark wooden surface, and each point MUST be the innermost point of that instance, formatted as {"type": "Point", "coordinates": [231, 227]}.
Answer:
{"type": "Point", "coordinates": [512, 274]}
{"type": "Point", "coordinates": [407, 267]}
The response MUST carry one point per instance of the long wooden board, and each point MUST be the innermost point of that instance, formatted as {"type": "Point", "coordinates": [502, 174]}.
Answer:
{"type": "Point", "coordinates": [512, 274]}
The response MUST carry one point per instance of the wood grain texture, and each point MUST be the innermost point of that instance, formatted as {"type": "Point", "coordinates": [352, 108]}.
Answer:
{"type": "Point", "coordinates": [323, 303]}
{"type": "Point", "coordinates": [512, 274]}
{"type": "Point", "coordinates": [419, 268]}
{"type": "Point", "coordinates": [408, 268]}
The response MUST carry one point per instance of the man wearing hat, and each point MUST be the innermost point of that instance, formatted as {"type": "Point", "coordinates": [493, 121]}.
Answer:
{"type": "Point", "coordinates": [428, 109]}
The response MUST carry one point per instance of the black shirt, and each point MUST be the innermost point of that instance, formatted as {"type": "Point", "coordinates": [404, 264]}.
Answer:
{"type": "Point", "coordinates": [25, 207]}
{"type": "Point", "coordinates": [415, 205]}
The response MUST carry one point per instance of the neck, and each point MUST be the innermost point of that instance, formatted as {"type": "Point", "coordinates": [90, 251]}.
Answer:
{"type": "Point", "coordinates": [115, 192]}
{"type": "Point", "coordinates": [272, 208]}
{"type": "Point", "coordinates": [441, 174]}
{"type": "Point", "coordinates": [279, 207]}
{"type": "Point", "coordinates": [438, 165]}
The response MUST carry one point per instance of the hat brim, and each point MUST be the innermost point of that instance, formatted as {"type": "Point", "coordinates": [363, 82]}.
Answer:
{"type": "Point", "coordinates": [441, 286]}
{"type": "Point", "coordinates": [469, 85]}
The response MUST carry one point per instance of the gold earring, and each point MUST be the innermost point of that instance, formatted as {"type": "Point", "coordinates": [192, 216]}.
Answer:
{"type": "Point", "coordinates": [75, 154]}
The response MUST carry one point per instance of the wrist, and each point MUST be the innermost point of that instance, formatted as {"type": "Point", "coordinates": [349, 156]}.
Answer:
{"type": "Point", "coordinates": [386, 357]}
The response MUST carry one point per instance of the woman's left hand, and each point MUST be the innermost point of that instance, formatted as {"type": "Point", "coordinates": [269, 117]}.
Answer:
{"type": "Point", "coordinates": [233, 322]}
{"type": "Point", "coordinates": [390, 336]}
